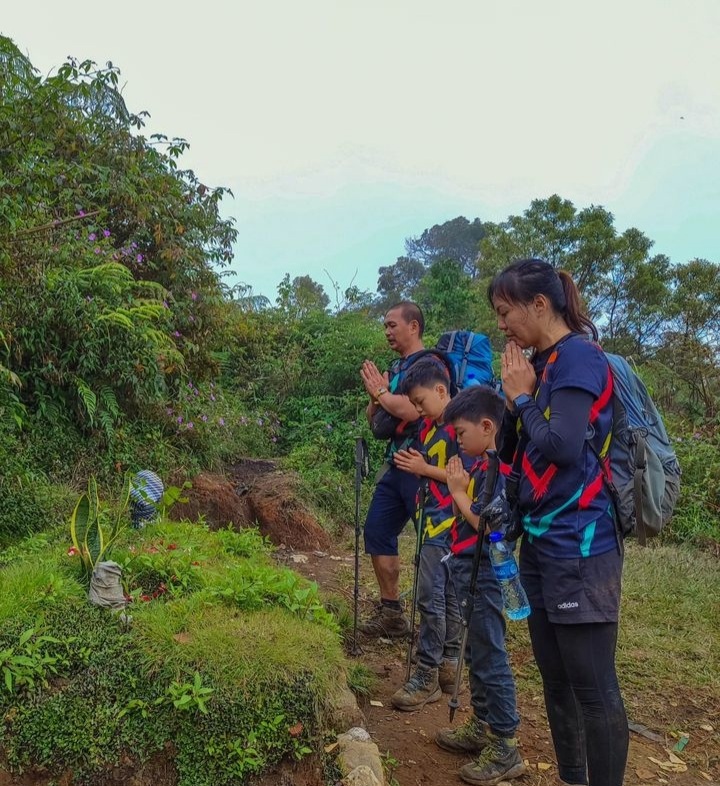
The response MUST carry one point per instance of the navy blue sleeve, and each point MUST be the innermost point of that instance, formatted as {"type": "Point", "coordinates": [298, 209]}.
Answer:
{"type": "Point", "coordinates": [561, 438]}
{"type": "Point", "coordinates": [508, 438]}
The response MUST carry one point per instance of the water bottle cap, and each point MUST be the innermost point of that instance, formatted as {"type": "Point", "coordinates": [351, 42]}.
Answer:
{"type": "Point", "coordinates": [495, 537]}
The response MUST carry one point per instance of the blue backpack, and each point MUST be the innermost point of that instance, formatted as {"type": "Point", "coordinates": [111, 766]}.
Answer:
{"type": "Point", "coordinates": [470, 355]}
{"type": "Point", "coordinates": [644, 478]}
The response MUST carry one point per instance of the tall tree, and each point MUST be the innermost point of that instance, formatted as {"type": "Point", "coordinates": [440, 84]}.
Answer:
{"type": "Point", "coordinates": [398, 282]}
{"type": "Point", "coordinates": [457, 240]}
{"type": "Point", "coordinates": [301, 296]}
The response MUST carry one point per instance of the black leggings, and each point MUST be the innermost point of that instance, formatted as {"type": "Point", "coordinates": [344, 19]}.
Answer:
{"type": "Point", "coordinates": [582, 696]}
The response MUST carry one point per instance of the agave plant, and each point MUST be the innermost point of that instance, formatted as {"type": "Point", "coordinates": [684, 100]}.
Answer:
{"type": "Point", "coordinates": [92, 537]}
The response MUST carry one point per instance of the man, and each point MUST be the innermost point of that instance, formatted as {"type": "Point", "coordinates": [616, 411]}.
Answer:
{"type": "Point", "coordinates": [394, 500]}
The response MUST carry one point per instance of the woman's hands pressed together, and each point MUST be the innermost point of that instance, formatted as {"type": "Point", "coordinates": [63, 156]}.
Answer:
{"type": "Point", "coordinates": [518, 375]}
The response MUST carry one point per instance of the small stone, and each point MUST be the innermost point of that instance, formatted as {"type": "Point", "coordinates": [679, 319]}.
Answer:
{"type": "Point", "coordinates": [357, 733]}
{"type": "Point", "coordinates": [361, 776]}
{"type": "Point", "coordinates": [301, 559]}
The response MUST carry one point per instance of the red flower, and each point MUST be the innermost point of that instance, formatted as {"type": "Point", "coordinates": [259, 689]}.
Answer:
{"type": "Point", "coordinates": [145, 598]}
{"type": "Point", "coordinates": [72, 552]}
{"type": "Point", "coordinates": [171, 546]}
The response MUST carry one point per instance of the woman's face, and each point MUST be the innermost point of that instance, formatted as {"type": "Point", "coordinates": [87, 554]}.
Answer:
{"type": "Point", "coordinates": [517, 321]}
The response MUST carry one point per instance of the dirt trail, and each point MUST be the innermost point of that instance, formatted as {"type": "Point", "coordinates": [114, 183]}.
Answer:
{"type": "Point", "coordinates": [407, 738]}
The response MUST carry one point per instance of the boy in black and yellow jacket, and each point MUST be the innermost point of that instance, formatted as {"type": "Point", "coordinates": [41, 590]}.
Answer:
{"type": "Point", "coordinates": [427, 385]}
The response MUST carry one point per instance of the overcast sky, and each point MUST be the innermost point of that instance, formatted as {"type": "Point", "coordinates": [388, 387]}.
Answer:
{"type": "Point", "coordinates": [343, 127]}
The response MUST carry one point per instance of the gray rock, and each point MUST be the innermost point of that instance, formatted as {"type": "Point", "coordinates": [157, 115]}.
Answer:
{"type": "Point", "coordinates": [361, 776]}
{"type": "Point", "coordinates": [355, 753]}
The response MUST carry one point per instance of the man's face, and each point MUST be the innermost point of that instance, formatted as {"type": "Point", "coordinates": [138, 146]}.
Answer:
{"type": "Point", "coordinates": [398, 332]}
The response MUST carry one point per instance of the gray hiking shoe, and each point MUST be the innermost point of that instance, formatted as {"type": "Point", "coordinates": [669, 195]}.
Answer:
{"type": "Point", "coordinates": [446, 675]}
{"type": "Point", "coordinates": [499, 760]}
{"type": "Point", "coordinates": [385, 622]}
{"type": "Point", "coordinates": [419, 690]}
{"type": "Point", "coordinates": [471, 737]}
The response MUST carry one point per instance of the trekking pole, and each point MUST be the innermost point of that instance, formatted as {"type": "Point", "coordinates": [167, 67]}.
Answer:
{"type": "Point", "coordinates": [362, 470]}
{"type": "Point", "coordinates": [419, 526]}
{"type": "Point", "coordinates": [469, 600]}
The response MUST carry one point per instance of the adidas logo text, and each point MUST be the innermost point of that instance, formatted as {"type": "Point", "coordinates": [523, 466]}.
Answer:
{"type": "Point", "coordinates": [572, 604]}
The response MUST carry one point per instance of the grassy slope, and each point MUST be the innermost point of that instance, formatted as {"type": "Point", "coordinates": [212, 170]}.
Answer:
{"type": "Point", "coordinates": [254, 634]}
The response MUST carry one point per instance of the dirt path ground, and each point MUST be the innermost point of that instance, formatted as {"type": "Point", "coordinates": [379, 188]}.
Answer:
{"type": "Point", "coordinates": [406, 739]}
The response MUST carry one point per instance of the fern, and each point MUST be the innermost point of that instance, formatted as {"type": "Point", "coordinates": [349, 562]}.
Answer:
{"type": "Point", "coordinates": [88, 398]}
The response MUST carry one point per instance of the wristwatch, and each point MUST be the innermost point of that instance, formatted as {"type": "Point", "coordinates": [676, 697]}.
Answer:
{"type": "Point", "coordinates": [521, 401]}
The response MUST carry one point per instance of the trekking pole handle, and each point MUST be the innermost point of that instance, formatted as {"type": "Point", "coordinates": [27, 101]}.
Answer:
{"type": "Point", "coordinates": [362, 457]}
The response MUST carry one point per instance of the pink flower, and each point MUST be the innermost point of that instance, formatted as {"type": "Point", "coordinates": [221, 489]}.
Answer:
{"type": "Point", "coordinates": [72, 552]}
{"type": "Point", "coordinates": [194, 295]}
{"type": "Point", "coordinates": [92, 237]}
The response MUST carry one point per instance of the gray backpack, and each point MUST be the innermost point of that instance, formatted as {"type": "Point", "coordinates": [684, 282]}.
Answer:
{"type": "Point", "coordinates": [644, 475]}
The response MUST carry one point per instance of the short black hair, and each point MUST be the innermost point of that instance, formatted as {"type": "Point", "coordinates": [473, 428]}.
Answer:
{"type": "Point", "coordinates": [475, 403]}
{"type": "Point", "coordinates": [425, 373]}
{"type": "Point", "coordinates": [410, 311]}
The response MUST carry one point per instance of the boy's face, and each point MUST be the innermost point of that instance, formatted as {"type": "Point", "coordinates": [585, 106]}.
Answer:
{"type": "Point", "coordinates": [475, 438]}
{"type": "Point", "coordinates": [430, 402]}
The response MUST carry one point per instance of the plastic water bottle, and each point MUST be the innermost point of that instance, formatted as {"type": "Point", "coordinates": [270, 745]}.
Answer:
{"type": "Point", "coordinates": [506, 571]}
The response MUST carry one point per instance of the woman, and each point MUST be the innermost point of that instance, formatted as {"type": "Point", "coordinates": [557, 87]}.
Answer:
{"type": "Point", "coordinates": [556, 430]}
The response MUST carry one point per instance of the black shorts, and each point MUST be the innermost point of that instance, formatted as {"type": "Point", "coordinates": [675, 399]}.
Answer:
{"type": "Point", "coordinates": [572, 591]}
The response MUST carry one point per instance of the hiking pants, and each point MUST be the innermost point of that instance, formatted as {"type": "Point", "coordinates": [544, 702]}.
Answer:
{"type": "Point", "coordinates": [582, 697]}
{"type": "Point", "coordinates": [492, 687]}
{"type": "Point", "coordinates": [440, 625]}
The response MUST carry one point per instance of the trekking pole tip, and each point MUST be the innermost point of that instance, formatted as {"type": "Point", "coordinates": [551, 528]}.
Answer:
{"type": "Point", "coordinates": [453, 704]}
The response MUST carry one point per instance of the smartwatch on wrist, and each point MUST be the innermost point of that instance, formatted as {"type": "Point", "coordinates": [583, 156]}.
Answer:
{"type": "Point", "coordinates": [522, 401]}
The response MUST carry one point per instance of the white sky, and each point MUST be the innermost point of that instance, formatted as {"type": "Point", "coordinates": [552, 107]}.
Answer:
{"type": "Point", "coordinates": [343, 127]}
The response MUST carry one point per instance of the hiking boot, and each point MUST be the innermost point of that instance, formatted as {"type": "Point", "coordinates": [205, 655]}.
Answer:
{"type": "Point", "coordinates": [471, 737]}
{"type": "Point", "coordinates": [446, 675]}
{"type": "Point", "coordinates": [499, 760]}
{"type": "Point", "coordinates": [385, 622]}
{"type": "Point", "coordinates": [421, 688]}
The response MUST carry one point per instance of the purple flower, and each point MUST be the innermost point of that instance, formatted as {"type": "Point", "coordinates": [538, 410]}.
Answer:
{"type": "Point", "coordinates": [221, 421]}
{"type": "Point", "coordinates": [193, 295]}
{"type": "Point", "coordinates": [180, 419]}
{"type": "Point", "coordinates": [106, 233]}
{"type": "Point", "coordinates": [169, 411]}
{"type": "Point", "coordinates": [139, 257]}
{"type": "Point", "coordinates": [81, 212]}
{"type": "Point", "coordinates": [97, 249]}
{"type": "Point", "coordinates": [165, 304]}
{"type": "Point", "coordinates": [177, 333]}
{"type": "Point", "coordinates": [92, 237]}
{"type": "Point", "coordinates": [190, 424]}
{"type": "Point", "coordinates": [203, 418]}
{"type": "Point", "coordinates": [274, 439]}
{"type": "Point", "coordinates": [212, 397]}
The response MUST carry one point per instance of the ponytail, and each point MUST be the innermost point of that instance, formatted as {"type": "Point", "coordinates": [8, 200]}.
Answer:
{"type": "Point", "coordinates": [573, 314]}
{"type": "Point", "coordinates": [521, 281]}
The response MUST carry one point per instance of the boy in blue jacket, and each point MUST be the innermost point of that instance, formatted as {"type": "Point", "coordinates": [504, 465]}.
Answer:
{"type": "Point", "coordinates": [477, 414]}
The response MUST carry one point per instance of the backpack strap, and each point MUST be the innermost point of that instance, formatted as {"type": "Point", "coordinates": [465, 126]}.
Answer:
{"type": "Point", "coordinates": [640, 467]}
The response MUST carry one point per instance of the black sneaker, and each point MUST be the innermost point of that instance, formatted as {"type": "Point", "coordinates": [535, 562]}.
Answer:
{"type": "Point", "coordinates": [419, 690]}
{"type": "Point", "coordinates": [385, 622]}
{"type": "Point", "coordinates": [499, 761]}
{"type": "Point", "coordinates": [471, 737]}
